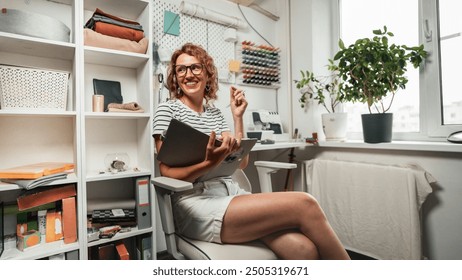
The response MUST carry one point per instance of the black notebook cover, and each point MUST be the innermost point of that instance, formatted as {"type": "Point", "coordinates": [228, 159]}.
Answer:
{"type": "Point", "coordinates": [110, 89]}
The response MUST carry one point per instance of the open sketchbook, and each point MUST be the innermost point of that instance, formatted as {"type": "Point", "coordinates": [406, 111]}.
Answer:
{"type": "Point", "coordinates": [184, 145]}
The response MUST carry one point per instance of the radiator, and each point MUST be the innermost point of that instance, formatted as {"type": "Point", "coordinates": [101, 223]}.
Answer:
{"type": "Point", "coordinates": [373, 208]}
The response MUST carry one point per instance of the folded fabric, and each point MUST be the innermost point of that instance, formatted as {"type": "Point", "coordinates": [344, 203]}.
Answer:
{"type": "Point", "coordinates": [126, 107]}
{"type": "Point", "coordinates": [100, 18]}
{"type": "Point", "coordinates": [30, 184]}
{"type": "Point", "coordinates": [118, 31]}
{"type": "Point", "coordinates": [95, 39]}
{"type": "Point", "coordinates": [98, 15]}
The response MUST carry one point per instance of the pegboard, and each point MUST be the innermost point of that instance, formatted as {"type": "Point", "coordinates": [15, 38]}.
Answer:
{"type": "Point", "coordinates": [195, 30]}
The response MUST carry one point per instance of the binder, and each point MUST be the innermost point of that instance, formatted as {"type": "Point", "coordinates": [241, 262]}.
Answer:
{"type": "Point", "coordinates": [144, 247]}
{"type": "Point", "coordinates": [143, 203]}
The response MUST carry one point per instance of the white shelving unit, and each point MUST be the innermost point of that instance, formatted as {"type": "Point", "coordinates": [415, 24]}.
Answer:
{"type": "Point", "coordinates": [77, 134]}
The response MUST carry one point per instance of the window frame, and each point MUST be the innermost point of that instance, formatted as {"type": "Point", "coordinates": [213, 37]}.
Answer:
{"type": "Point", "coordinates": [431, 120]}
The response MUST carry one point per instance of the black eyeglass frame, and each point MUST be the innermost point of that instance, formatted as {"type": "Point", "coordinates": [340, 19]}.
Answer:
{"type": "Point", "coordinates": [190, 68]}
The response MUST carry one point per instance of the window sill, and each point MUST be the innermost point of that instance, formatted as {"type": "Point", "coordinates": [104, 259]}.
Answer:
{"type": "Point", "coordinates": [396, 145]}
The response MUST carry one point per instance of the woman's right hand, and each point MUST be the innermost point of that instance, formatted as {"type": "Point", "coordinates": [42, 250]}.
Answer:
{"type": "Point", "coordinates": [216, 154]}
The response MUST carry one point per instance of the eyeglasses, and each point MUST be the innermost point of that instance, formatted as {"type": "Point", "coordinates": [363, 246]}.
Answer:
{"type": "Point", "coordinates": [195, 68]}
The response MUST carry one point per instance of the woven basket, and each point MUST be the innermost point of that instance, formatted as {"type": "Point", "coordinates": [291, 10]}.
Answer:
{"type": "Point", "coordinates": [22, 87]}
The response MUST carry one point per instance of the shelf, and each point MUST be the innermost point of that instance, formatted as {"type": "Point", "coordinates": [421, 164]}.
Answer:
{"type": "Point", "coordinates": [131, 8]}
{"type": "Point", "coordinates": [91, 177]}
{"type": "Point", "coordinates": [39, 251]}
{"type": "Point", "coordinates": [107, 115]}
{"type": "Point", "coordinates": [13, 43]}
{"type": "Point", "coordinates": [121, 235]}
{"type": "Point", "coordinates": [36, 113]}
{"type": "Point", "coordinates": [397, 145]}
{"type": "Point", "coordinates": [114, 58]}
{"type": "Point", "coordinates": [278, 145]}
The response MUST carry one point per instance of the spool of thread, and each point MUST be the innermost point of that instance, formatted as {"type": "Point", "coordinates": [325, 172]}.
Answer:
{"type": "Point", "coordinates": [98, 103]}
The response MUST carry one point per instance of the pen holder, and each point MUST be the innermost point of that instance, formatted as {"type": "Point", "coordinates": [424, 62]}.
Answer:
{"type": "Point", "coordinates": [98, 103]}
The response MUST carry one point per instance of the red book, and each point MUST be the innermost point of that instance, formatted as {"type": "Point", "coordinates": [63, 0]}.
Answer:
{"type": "Point", "coordinates": [69, 220]}
{"type": "Point", "coordinates": [45, 195]}
{"type": "Point", "coordinates": [122, 251]}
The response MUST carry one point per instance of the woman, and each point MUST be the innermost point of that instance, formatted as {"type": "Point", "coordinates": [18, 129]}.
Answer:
{"type": "Point", "coordinates": [290, 223]}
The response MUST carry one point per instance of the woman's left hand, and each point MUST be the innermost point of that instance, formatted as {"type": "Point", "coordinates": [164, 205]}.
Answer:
{"type": "Point", "coordinates": [237, 101]}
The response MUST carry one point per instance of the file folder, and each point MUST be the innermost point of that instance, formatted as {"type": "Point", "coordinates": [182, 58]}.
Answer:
{"type": "Point", "coordinates": [143, 203]}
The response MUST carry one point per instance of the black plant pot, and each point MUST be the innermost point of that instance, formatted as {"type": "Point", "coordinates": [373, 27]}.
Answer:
{"type": "Point", "coordinates": [377, 128]}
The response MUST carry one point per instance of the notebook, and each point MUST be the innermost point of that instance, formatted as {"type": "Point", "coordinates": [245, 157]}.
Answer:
{"type": "Point", "coordinates": [111, 91]}
{"type": "Point", "coordinates": [184, 145]}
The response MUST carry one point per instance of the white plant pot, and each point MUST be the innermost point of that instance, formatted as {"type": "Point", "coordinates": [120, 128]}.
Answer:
{"type": "Point", "coordinates": [334, 126]}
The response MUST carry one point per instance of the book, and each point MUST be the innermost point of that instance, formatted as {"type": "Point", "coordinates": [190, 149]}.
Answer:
{"type": "Point", "coordinates": [36, 170]}
{"type": "Point", "coordinates": [54, 228]}
{"type": "Point", "coordinates": [122, 251]}
{"type": "Point", "coordinates": [113, 216]}
{"type": "Point", "coordinates": [69, 220]}
{"type": "Point", "coordinates": [40, 196]}
{"type": "Point", "coordinates": [183, 145]}
{"type": "Point", "coordinates": [29, 184]}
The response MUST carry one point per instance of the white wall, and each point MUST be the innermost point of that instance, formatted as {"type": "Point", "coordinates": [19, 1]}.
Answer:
{"type": "Point", "coordinates": [312, 27]}
{"type": "Point", "coordinates": [272, 31]}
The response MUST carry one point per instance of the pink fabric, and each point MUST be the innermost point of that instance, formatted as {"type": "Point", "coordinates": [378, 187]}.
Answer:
{"type": "Point", "coordinates": [95, 39]}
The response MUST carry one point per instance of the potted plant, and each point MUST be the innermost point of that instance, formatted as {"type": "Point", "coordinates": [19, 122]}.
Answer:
{"type": "Point", "coordinates": [326, 90]}
{"type": "Point", "coordinates": [371, 70]}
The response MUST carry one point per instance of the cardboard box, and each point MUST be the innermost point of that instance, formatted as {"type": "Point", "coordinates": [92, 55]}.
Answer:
{"type": "Point", "coordinates": [54, 229]}
{"type": "Point", "coordinates": [28, 239]}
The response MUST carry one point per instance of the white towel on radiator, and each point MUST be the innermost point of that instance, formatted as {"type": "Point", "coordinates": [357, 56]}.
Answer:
{"type": "Point", "coordinates": [373, 208]}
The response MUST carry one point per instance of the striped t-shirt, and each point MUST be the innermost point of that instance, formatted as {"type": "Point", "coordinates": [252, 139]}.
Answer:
{"type": "Point", "coordinates": [210, 120]}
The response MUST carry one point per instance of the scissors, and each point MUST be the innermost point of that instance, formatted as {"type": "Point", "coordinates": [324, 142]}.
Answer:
{"type": "Point", "coordinates": [160, 79]}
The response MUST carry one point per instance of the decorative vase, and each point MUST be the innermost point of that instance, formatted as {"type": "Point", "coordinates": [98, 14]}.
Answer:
{"type": "Point", "coordinates": [377, 128]}
{"type": "Point", "coordinates": [334, 126]}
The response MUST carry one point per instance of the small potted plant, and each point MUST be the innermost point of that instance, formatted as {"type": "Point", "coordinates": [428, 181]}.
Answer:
{"type": "Point", "coordinates": [373, 70]}
{"type": "Point", "coordinates": [326, 90]}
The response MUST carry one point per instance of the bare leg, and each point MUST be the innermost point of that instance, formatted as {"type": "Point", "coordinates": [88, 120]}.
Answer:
{"type": "Point", "coordinates": [291, 245]}
{"type": "Point", "coordinates": [255, 216]}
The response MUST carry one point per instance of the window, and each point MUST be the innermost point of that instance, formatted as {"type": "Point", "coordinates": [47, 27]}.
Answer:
{"type": "Point", "coordinates": [450, 44]}
{"type": "Point", "coordinates": [431, 104]}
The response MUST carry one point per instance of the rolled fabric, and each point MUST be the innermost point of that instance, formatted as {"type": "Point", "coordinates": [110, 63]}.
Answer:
{"type": "Point", "coordinates": [126, 107]}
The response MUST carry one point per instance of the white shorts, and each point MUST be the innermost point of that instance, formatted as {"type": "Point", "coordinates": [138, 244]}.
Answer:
{"type": "Point", "coordinates": [199, 213]}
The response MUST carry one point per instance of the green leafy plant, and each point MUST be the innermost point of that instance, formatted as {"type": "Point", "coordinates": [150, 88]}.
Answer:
{"type": "Point", "coordinates": [320, 88]}
{"type": "Point", "coordinates": [373, 68]}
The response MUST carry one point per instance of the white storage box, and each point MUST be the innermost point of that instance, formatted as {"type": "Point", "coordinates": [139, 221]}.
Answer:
{"type": "Point", "coordinates": [22, 87]}
{"type": "Point", "coordinates": [33, 24]}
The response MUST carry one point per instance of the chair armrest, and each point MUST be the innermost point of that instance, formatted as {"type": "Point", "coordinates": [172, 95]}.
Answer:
{"type": "Point", "coordinates": [171, 184]}
{"type": "Point", "coordinates": [165, 187]}
{"type": "Point", "coordinates": [275, 165]}
{"type": "Point", "coordinates": [266, 168]}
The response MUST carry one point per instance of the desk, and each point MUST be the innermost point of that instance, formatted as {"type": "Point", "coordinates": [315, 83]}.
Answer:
{"type": "Point", "coordinates": [279, 145]}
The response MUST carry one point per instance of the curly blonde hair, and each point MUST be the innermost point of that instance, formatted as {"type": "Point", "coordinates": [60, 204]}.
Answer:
{"type": "Point", "coordinates": [205, 59]}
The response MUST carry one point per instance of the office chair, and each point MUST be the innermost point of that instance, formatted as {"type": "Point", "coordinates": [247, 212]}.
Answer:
{"type": "Point", "coordinates": [181, 247]}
